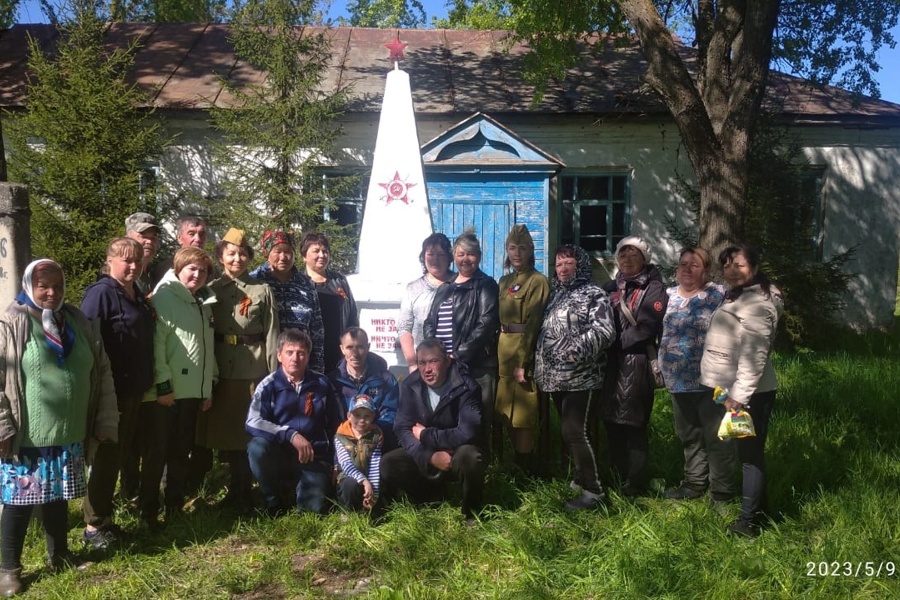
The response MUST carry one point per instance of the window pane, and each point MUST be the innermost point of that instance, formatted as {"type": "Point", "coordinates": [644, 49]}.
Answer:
{"type": "Point", "coordinates": [594, 244]}
{"type": "Point", "coordinates": [593, 188]}
{"type": "Point", "coordinates": [593, 220]}
{"type": "Point", "coordinates": [593, 210]}
{"type": "Point", "coordinates": [346, 213]}
{"type": "Point", "coordinates": [567, 188]}
{"type": "Point", "coordinates": [618, 223]}
{"type": "Point", "coordinates": [593, 227]}
{"type": "Point", "coordinates": [618, 187]}
{"type": "Point", "coordinates": [567, 229]}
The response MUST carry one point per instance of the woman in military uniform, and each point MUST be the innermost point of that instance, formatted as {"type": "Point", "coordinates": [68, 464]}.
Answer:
{"type": "Point", "coordinates": [523, 295]}
{"type": "Point", "coordinates": [246, 327]}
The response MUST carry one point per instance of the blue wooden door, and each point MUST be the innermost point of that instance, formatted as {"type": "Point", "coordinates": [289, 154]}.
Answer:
{"type": "Point", "coordinates": [488, 207]}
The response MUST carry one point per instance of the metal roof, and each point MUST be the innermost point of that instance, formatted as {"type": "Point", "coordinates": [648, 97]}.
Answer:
{"type": "Point", "coordinates": [182, 66]}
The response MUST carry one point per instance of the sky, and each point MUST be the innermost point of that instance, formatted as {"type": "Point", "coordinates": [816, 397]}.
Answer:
{"type": "Point", "coordinates": [889, 58]}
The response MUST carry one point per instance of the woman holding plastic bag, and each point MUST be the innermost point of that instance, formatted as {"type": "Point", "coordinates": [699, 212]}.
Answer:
{"type": "Point", "coordinates": [736, 358]}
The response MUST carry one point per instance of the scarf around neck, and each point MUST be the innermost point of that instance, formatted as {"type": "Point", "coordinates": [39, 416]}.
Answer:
{"type": "Point", "coordinates": [58, 333]}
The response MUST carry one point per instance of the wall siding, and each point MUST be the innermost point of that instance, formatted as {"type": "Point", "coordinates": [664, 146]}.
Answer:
{"type": "Point", "coordinates": [862, 198]}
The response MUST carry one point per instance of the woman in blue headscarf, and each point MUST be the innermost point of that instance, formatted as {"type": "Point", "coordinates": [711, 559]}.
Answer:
{"type": "Point", "coordinates": [57, 401]}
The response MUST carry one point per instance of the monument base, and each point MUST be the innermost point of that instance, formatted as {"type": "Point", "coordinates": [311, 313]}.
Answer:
{"type": "Point", "coordinates": [379, 308]}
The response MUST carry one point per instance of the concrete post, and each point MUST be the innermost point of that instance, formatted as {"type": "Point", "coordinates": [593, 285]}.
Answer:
{"type": "Point", "coordinates": [15, 239]}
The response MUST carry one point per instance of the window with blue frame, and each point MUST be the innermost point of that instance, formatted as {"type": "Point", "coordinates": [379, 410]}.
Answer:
{"type": "Point", "coordinates": [595, 210]}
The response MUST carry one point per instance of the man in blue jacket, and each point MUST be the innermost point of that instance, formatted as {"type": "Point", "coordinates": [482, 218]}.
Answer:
{"type": "Point", "coordinates": [360, 372]}
{"type": "Point", "coordinates": [292, 419]}
{"type": "Point", "coordinates": [439, 426]}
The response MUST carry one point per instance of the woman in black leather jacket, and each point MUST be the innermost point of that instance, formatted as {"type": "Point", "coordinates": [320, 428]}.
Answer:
{"type": "Point", "coordinates": [465, 316]}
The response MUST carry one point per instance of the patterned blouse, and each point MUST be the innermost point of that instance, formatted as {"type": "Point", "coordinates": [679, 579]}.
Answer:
{"type": "Point", "coordinates": [298, 306]}
{"type": "Point", "coordinates": [684, 331]}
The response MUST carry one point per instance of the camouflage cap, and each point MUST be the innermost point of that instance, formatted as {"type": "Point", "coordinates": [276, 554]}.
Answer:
{"type": "Point", "coordinates": [140, 222]}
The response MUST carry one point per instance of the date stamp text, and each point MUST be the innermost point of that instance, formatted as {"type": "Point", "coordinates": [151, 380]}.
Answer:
{"type": "Point", "coordinates": [872, 568]}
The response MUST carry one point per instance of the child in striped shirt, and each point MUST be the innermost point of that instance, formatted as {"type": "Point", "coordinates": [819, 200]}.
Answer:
{"type": "Point", "coordinates": [357, 456]}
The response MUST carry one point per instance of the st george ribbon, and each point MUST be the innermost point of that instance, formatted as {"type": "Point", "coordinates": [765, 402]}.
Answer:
{"type": "Point", "coordinates": [396, 217]}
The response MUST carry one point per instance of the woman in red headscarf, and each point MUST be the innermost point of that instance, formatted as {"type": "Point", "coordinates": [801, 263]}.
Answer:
{"type": "Point", "coordinates": [295, 293]}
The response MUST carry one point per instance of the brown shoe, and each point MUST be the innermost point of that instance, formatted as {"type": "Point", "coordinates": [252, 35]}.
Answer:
{"type": "Point", "coordinates": [10, 582]}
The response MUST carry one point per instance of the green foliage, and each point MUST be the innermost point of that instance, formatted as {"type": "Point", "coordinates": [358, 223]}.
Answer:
{"type": "Point", "coordinates": [8, 13]}
{"type": "Point", "coordinates": [834, 493]}
{"type": "Point", "coordinates": [827, 42]}
{"type": "Point", "coordinates": [784, 218]}
{"type": "Point", "coordinates": [836, 42]}
{"type": "Point", "coordinates": [477, 14]}
{"type": "Point", "coordinates": [278, 135]}
{"type": "Point", "coordinates": [469, 14]}
{"type": "Point", "coordinates": [149, 11]}
{"type": "Point", "coordinates": [172, 11]}
{"type": "Point", "coordinates": [386, 14]}
{"type": "Point", "coordinates": [83, 148]}
{"type": "Point", "coordinates": [552, 29]}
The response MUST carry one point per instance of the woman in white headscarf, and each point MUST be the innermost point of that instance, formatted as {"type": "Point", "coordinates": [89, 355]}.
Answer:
{"type": "Point", "coordinates": [57, 401]}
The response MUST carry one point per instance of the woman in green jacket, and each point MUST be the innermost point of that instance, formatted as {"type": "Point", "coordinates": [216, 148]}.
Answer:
{"type": "Point", "coordinates": [185, 368]}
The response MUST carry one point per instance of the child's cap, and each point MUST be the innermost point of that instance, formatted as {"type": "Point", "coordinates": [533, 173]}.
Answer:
{"type": "Point", "coordinates": [362, 402]}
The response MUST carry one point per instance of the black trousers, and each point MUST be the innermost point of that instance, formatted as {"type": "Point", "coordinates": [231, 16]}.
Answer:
{"type": "Point", "coordinates": [401, 474]}
{"type": "Point", "coordinates": [751, 453]}
{"type": "Point", "coordinates": [628, 449]}
{"type": "Point", "coordinates": [167, 436]}
{"type": "Point", "coordinates": [14, 526]}
{"type": "Point", "coordinates": [98, 503]}
{"type": "Point", "coordinates": [349, 494]}
{"type": "Point", "coordinates": [574, 409]}
{"type": "Point", "coordinates": [707, 459]}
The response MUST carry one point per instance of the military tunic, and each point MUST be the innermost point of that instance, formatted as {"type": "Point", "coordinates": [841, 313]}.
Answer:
{"type": "Point", "coordinates": [246, 328]}
{"type": "Point", "coordinates": [523, 295]}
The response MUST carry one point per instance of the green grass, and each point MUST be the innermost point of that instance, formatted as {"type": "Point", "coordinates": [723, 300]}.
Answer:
{"type": "Point", "coordinates": [834, 466]}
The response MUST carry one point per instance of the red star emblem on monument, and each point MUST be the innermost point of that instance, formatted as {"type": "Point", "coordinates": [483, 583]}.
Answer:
{"type": "Point", "coordinates": [397, 189]}
{"type": "Point", "coordinates": [396, 47]}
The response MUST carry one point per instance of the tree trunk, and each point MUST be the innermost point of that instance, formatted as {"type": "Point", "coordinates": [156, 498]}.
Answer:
{"type": "Point", "coordinates": [716, 113]}
{"type": "Point", "coordinates": [3, 174]}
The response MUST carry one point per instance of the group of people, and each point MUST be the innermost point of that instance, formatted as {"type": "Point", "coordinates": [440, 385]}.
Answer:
{"type": "Point", "coordinates": [153, 374]}
{"type": "Point", "coordinates": [162, 367]}
{"type": "Point", "coordinates": [597, 353]}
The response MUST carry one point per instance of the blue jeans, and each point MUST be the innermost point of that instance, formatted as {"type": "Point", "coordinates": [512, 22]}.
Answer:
{"type": "Point", "coordinates": [275, 466]}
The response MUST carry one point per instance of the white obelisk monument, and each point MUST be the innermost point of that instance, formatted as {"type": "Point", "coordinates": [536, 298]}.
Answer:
{"type": "Point", "coordinates": [396, 218]}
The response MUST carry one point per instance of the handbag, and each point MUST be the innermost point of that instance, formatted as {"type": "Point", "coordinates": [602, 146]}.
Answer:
{"type": "Point", "coordinates": [652, 352]}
